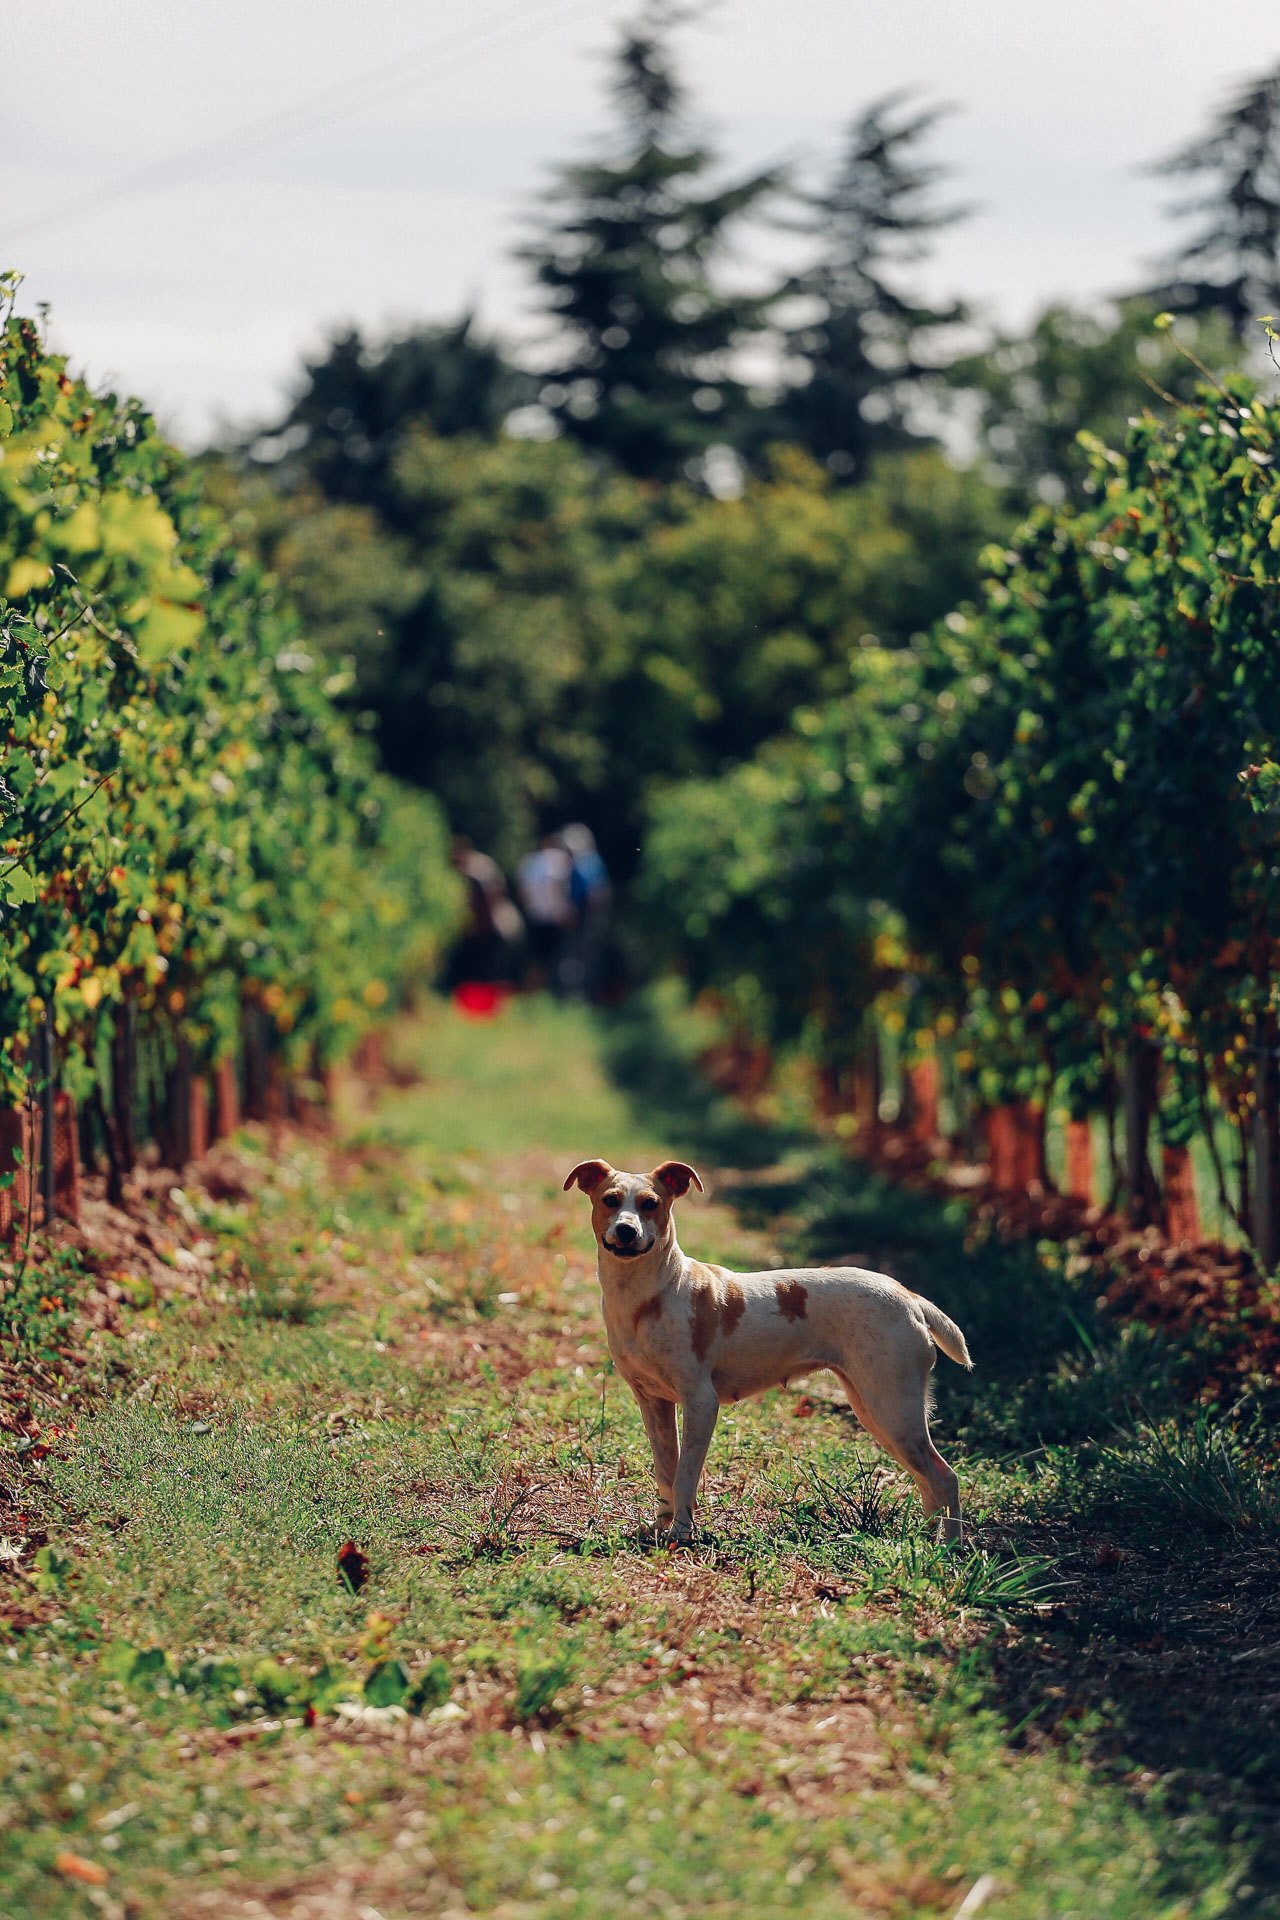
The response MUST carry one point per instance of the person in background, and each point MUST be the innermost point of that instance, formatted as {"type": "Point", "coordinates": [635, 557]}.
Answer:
{"type": "Point", "coordinates": [589, 894]}
{"type": "Point", "coordinates": [542, 885]}
{"type": "Point", "coordinates": [488, 948]}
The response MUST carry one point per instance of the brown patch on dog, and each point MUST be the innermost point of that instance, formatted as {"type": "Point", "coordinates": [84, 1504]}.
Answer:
{"type": "Point", "coordinates": [792, 1299]}
{"type": "Point", "coordinates": [704, 1317]}
{"type": "Point", "coordinates": [650, 1309]}
{"type": "Point", "coordinates": [717, 1304]}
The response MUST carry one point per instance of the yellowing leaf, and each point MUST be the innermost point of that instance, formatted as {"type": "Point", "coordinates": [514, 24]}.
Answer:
{"type": "Point", "coordinates": [138, 527]}
{"type": "Point", "coordinates": [81, 532]}
{"type": "Point", "coordinates": [167, 629]}
{"type": "Point", "coordinates": [25, 574]}
{"type": "Point", "coordinates": [182, 583]}
{"type": "Point", "coordinates": [19, 887]}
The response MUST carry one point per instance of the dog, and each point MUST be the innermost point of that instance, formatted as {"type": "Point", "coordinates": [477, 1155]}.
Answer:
{"type": "Point", "coordinates": [699, 1337]}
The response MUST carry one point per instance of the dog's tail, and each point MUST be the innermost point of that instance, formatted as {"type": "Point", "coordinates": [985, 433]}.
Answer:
{"type": "Point", "coordinates": [946, 1333]}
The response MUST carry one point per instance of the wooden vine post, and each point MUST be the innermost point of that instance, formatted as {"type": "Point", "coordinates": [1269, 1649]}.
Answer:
{"type": "Point", "coordinates": [925, 1082]}
{"type": "Point", "coordinates": [257, 1068]}
{"type": "Point", "coordinates": [20, 1153]}
{"type": "Point", "coordinates": [1016, 1147]}
{"type": "Point", "coordinates": [1140, 1083]}
{"type": "Point", "coordinates": [1079, 1143]}
{"type": "Point", "coordinates": [45, 1089]}
{"type": "Point", "coordinates": [226, 1098]}
{"type": "Point", "coordinates": [40, 1147]}
{"type": "Point", "coordinates": [121, 1144]}
{"type": "Point", "coordinates": [868, 1086]}
{"type": "Point", "coordinates": [1002, 1152]}
{"type": "Point", "coordinates": [198, 1122]}
{"type": "Point", "coordinates": [178, 1147]}
{"type": "Point", "coordinates": [1181, 1213]}
{"type": "Point", "coordinates": [1266, 1148]}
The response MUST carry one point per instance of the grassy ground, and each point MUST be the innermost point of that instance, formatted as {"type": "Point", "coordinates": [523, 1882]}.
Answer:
{"type": "Point", "coordinates": [511, 1702]}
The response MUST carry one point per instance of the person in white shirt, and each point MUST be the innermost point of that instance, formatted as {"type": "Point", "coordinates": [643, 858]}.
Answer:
{"type": "Point", "coordinates": [542, 886]}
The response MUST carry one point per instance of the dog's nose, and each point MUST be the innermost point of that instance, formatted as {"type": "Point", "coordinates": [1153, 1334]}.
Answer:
{"type": "Point", "coordinates": [624, 1232]}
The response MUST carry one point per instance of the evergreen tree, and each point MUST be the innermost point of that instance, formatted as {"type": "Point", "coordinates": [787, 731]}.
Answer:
{"type": "Point", "coordinates": [862, 358]}
{"type": "Point", "coordinates": [625, 260]}
{"type": "Point", "coordinates": [1231, 262]}
{"type": "Point", "coordinates": [355, 403]}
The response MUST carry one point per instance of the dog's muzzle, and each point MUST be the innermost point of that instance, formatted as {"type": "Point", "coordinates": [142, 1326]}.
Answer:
{"type": "Point", "coordinates": [625, 1240]}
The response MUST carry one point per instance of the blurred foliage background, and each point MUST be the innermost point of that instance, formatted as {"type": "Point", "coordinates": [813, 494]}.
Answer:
{"type": "Point", "coordinates": [901, 668]}
{"type": "Point", "coordinates": [559, 590]}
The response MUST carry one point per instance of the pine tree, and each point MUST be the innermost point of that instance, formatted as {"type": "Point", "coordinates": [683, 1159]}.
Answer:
{"type": "Point", "coordinates": [1231, 262]}
{"type": "Point", "coordinates": [625, 259]}
{"type": "Point", "coordinates": [861, 359]}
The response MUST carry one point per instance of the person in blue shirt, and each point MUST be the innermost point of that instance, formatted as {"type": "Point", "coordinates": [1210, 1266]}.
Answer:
{"type": "Point", "coordinates": [590, 895]}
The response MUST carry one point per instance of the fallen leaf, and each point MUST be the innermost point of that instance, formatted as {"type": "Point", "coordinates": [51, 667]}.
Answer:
{"type": "Point", "coordinates": [353, 1567]}
{"type": "Point", "coordinates": [73, 1867]}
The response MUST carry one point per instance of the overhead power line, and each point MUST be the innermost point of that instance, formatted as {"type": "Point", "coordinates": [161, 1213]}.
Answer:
{"type": "Point", "coordinates": [325, 108]}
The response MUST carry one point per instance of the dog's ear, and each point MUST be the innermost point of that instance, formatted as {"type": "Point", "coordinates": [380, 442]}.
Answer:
{"type": "Point", "coordinates": [589, 1174]}
{"type": "Point", "coordinates": [675, 1177]}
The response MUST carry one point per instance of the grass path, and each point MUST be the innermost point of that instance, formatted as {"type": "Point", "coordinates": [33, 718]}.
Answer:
{"type": "Point", "coordinates": [525, 1709]}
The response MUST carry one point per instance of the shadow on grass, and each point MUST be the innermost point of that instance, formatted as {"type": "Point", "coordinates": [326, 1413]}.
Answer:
{"type": "Point", "coordinates": [1163, 1650]}
{"type": "Point", "coordinates": [655, 1067]}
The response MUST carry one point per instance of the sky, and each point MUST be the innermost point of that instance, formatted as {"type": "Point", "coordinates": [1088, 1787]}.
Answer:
{"type": "Point", "coordinates": [201, 193]}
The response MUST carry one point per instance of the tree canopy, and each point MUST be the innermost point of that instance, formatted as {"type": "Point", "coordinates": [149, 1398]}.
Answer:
{"type": "Point", "coordinates": [356, 401]}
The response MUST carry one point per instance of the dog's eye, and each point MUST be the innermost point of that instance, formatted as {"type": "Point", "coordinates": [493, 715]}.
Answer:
{"type": "Point", "coordinates": [611, 1200]}
{"type": "Point", "coordinates": [648, 1204]}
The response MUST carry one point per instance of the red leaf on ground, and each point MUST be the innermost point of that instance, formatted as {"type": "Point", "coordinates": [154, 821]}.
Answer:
{"type": "Point", "coordinates": [353, 1568]}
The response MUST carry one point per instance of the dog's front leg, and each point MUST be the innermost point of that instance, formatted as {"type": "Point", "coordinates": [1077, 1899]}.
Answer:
{"type": "Point", "coordinates": [659, 1418]}
{"type": "Point", "coordinates": [698, 1421]}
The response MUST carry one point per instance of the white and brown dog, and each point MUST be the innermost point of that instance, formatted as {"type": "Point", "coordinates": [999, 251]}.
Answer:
{"type": "Point", "coordinates": [688, 1335]}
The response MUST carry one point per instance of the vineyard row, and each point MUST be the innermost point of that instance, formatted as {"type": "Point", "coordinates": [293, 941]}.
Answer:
{"type": "Point", "coordinates": [199, 862]}
{"type": "Point", "coordinates": [1040, 844]}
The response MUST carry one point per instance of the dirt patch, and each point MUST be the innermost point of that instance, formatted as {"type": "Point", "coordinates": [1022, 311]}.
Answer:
{"type": "Point", "coordinates": [136, 1256]}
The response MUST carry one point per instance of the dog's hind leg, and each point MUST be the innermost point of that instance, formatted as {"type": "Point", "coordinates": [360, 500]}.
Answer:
{"type": "Point", "coordinates": [659, 1418]}
{"type": "Point", "coordinates": [900, 1422]}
